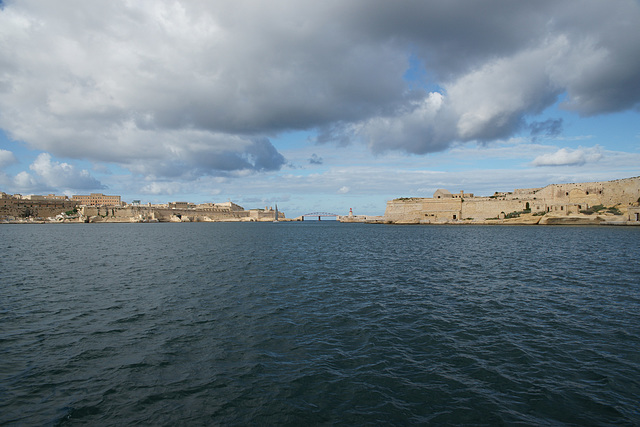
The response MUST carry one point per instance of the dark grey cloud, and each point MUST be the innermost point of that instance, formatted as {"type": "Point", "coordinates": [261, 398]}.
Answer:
{"type": "Point", "coordinates": [199, 86]}
{"type": "Point", "coordinates": [549, 127]}
{"type": "Point", "coordinates": [315, 159]}
{"type": "Point", "coordinates": [210, 158]}
{"type": "Point", "coordinates": [262, 156]}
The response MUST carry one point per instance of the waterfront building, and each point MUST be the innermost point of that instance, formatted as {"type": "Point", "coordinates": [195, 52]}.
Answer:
{"type": "Point", "coordinates": [97, 199]}
{"type": "Point", "coordinates": [181, 205]}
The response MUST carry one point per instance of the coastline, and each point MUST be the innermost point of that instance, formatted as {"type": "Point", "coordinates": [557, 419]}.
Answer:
{"type": "Point", "coordinates": [525, 220]}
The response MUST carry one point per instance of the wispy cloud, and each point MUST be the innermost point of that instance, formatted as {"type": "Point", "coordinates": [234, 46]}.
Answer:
{"type": "Point", "coordinates": [568, 157]}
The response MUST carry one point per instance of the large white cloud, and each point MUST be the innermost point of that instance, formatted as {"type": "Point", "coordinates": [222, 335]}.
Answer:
{"type": "Point", "coordinates": [186, 89]}
{"type": "Point", "coordinates": [63, 175]}
{"type": "Point", "coordinates": [49, 175]}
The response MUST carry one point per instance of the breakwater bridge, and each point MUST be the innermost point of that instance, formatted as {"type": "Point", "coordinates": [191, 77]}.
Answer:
{"type": "Point", "coordinates": [319, 215]}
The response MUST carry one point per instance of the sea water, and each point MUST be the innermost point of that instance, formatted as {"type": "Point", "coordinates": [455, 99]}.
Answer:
{"type": "Point", "coordinates": [319, 323]}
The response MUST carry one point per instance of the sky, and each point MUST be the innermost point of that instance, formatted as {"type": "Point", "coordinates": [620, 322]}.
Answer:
{"type": "Point", "coordinates": [315, 105]}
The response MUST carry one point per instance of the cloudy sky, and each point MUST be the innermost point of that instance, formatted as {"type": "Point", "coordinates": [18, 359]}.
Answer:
{"type": "Point", "coordinates": [315, 105]}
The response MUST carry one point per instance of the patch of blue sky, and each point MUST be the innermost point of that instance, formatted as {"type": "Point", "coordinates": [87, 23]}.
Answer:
{"type": "Point", "coordinates": [292, 139]}
{"type": "Point", "coordinates": [614, 131]}
{"type": "Point", "coordinates": [23, 155]}
{"type": "Point", "coordinates": [417, 77]}
{"type": "Point", "coordinates": [617, 131]}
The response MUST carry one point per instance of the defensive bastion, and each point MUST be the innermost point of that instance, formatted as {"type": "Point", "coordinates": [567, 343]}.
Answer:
{"type": "Point", "coordinates": [42, 209]}
{"type": "Point", "coordinates": [553, 204]}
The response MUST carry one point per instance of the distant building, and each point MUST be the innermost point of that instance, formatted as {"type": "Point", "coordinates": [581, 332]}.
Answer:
{"type": "Point", "coordinates": [446, 194]}
{"type": "Point", "coordinates": [47, 197]}
{"type": "Point", "coordinates": [229, 205]}
{"type": "Point", "coordinates": [181, 205]}
{"type": "Point", "coordinates": [97, 199]}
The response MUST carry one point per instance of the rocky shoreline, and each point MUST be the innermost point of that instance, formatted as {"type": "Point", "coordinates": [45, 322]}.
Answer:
{"type": "Point", "coordinates": [529, 219]}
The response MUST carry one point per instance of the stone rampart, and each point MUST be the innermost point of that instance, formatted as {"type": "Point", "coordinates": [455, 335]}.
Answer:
{"type": "Point", "coordinates": [485, 208]}
{"type": "Point", "coordinates": [22, 208]}
{"type": "Point", "coordinates": [559, 199]}
{"type": "Point", "coordinates": [163, 214]}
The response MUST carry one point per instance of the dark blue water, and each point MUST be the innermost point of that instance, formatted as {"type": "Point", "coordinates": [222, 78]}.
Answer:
{"type": "Point", "coordinates": [318, 324]}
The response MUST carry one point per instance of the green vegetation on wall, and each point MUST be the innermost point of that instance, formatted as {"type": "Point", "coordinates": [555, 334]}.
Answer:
{"type": "Point", "coordinates": [599, 208]}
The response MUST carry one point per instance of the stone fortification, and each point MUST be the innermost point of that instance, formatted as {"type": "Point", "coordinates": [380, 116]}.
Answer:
{"type": "Point", "coordinates": [552, 200]}
{"type": "Point", "coordinates": [33, 206]}
{"type": "Point", "coordinates": [17, 208]}
{"type": "Point", "coordinates": [199, 213]}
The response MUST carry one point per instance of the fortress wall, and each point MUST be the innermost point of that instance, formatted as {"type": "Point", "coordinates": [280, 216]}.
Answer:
{"type": "Point", "coordinates": [484, 208]}
{"type": "Point", "coordinates": [260, 215]}
{"type": "Point", "coordinates": [399, 209]}
{"type": "Point", "coordinates": [625, 191]}
{"type": "Point", "coordinates": [20, 211]}
{"type": "Point", "coordinates": [560, 199]}
{"type": "Point", "coordinates": [423, 209]}
{"type": "Point", "coordinates": [135, 213]}
{"type": "Point", "coordinates": [88, 211]}
{"type": "Point", "coordinates": [520, 193]}
{"type": "Point", "coordinates": [35, 208]}
{"type": "Point", "coordinates": [609, 193]}
{"type": "Point", "coordinates": [441, 209]}
{"type": "Point", "coordinates": [436, 210]}
{"type": "Point", "coordinates": [199, 215]}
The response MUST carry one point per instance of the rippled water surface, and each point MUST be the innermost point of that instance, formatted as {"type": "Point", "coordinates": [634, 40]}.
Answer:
{"type": "Point", "coordinates": [318, 323]}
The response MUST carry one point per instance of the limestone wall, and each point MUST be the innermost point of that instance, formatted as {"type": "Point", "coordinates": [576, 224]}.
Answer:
{"type": "Point", "coordinates": [608, 193]}
{"type": "Point", "coordinates": [145, 213]}
{"type": "Point", "coordinates": [559, 199]}
{"type": "Point", "coordinates": [404, 208]}
{"type": "Point", "coordinates": [438, 210]}
{"type": "Point", "coordinates": [196, 215]}
{"type": "Point", "coordinates": [17, 208]}
{"type": "Point", "coordinates": [485, 208]}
